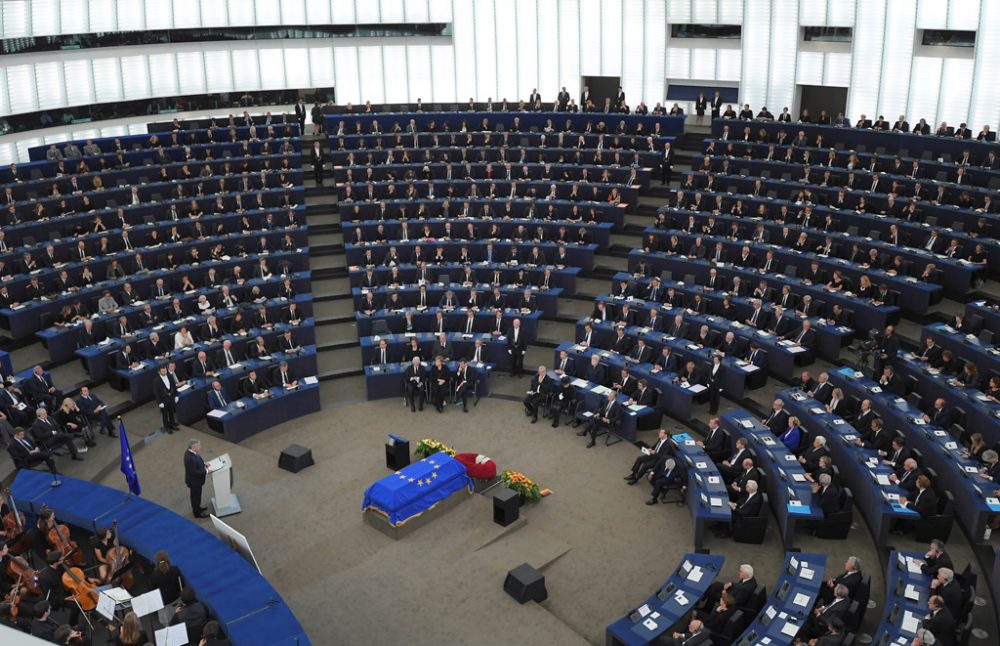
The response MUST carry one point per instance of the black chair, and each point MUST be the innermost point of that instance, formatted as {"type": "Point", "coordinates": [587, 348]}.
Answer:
{"type": "Point", "coordinates": [939, 525]}
{"type": "Point", "coordinates": [852, 618]}
{"type": "Point", "coordinates": [756, 601]}
{"type": "Point", "coordinates": [734, 626]}
{"type": "Point", "coordinates": [751, 529]}
{"type": "Point", "coordinates": [862, 594]}
{"type": "Point", "coordinates": [838, 525]}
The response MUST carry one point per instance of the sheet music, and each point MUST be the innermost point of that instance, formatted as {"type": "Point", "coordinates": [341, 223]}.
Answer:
{"type": "Point", "coordinates": [147, 603]}
{"type": "Point", "coordinates": [106, 606]}
{"type": "Point", "coordinates": [172, 636]}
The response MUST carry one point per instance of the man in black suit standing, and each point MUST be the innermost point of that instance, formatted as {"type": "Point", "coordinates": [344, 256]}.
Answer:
{"type": "Point", "coordinates": [165, 392]}
{"type": "Point", "coordinates": [887, 346]}
{"type": "Point", "coordinates": [562, 99]}
{"type": "Point", "coordinates": [517, 345]}
{"type": "Point", "coordinates": [195, 471]}
{"type": "Point", "coordinates": [716, 105]}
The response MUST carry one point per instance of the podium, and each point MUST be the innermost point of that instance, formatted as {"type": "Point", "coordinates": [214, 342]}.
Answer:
{"type": "Point", "coordinates": [224, 502]}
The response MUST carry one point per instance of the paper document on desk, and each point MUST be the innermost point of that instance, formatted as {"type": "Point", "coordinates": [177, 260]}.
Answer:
{"type": "Point", "coordinates": [697, 388]}
{"type": "Point", "coordinates": [883, 479]}
{"type": "Point", "coordinates": [650, 624]}
{"type": "Point", "coordinates": [644, 610]}
{"type": "Point", "coordinates": [681, 599]}
{"type": "Point", "coordinates": [807, 574]}
{"type": "Point", "coordinates": [801, 600]}
{"type": "Point", "coordinates": [716, 502]}
{"type": "Point", "coordinates": [911, 592]}
{"type": "Point", "coordinates": [913, 565]}
{"type": "Point", "coordinates": [580, 383]}
{"type": "Point", "coordinates": [798, 477]}
{"type": "Point", "coordinates": [910, 622]}
{"type": "Point", "coordinates": [749, 368]}
{"type": "Point", "coordinates": [310, 380]}
{"type": "Point", "coordinates": [789, 629]}
{"type": "Point", "coordinates": [695, 574]}
{"type": "Point", "coordinates": [795, 349]}
{"type": "Point", "coordinates": [217, 414]}
{"type": "Point", "coordinates": [181, 389]}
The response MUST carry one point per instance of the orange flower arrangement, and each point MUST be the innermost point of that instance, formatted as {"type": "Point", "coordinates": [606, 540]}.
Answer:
{"type": "Point", "coordinates": [517, 481]}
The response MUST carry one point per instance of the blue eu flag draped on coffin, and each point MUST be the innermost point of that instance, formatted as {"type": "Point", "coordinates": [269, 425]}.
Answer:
{"type": "Point", "coordinates": [128, 466]}
{"type": "Point", "coordinates": [415, 489]}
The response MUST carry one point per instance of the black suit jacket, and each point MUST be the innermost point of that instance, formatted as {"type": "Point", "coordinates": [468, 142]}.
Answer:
{"type": "Point", "coordinates": [194, 469]}
{"type": "Point", "coordinates": [161, 392]}
{"type": "Point", "coordinates": [749, 507]}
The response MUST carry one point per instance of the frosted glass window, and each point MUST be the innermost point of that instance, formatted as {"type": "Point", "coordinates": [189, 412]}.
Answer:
{"type": "Point", "coordinates": [131, 15]}
{"type": "Point", "coordinates": [8, 154]}
{"type": "Point", "coordinates": [241, 12]}
{"type": "Point", "coordinates": [318, 12]}
{"type": "Point", "coordinates": [440, 10]}
{"type": "Point", "coordinates": [272, 68]}
{"type": "Point", "coordinates": [728, 65]}
{"type": "Point", "coordinates": [369, 65]}
{"type": "Point", "coordinates": [546, 37]}
{"type": "Point", "coordinates": [214, 13]}
{"type": "Point", "coordinates": [159, 15]}
{"type": "Point", "coordinates": [841, 14]}
{"type": "Point", "coordinates": [366, 11]}
{"type": "Point", "coordinates": [419, 70]}
{"type": "Point", "coordinates": [486, 51]}
{"type": "Point", "coordinates": [268, 12]}
{"type": "Point", "coordinates": [187, 14]}
{"type": "Point", "coordinates": [25, 144]}
{"type": "Point", "coordinates": [102, 15]}
{"type": "Point", "coordinates": [396, 76]}
{"type": "Point", "coordinates": [417, 11]}
{"type": "Point", "coordinates": [73, 17]}
{"type": "Point", "coordinates": [784, 40]}
{"type": "Point", "coordinates": [443, 76]}
{"type": "Point", "coordinates": [926, 75]}
{"type": "Point", "coordinates": [611, 39]}
{"type": "Point", "coordinates": [654, 64]}
{"type": "Point", "coordinates": [44, 17]}
{"type": "Point", "coordinates": [568, 45]}
{"type": "Point", "coordinates": [810, 69]}
{"type": "Point", "coordinates": [16, 19]}
{"type": "Point", "coordinates": [985, 107]}
{"type": "Point", "coordinates": [218, 71]}
{"type": "Point", "coordinates": [704, 11]}
{"type": "Point", "coordinates": [932, 14]}
{"type": "Point", "coordinates": [191, 73]}
{"type": "Point", "coordinates": [4, 94]}
{"type": "Point", "coordinates": [528, 19]}
{"type": "Point", "coordinates": [246, 69]}
{"type": "Point", "coordinates": [956, 76]}
{"type": "Point", "coordinates": [321, 69]}
{"type": "Point", "coordinates": [163, 74]}
{"type": "Point", "coordinates": [590, 45]}
{"type": "Point", "coordinates": [297, 68]}
{"type": "Point", "coordinates": [466, 52]}
{"type": "Point", "coordinates": [812, 13]}
{"type": "Point", "coordinates": [964, 14]}
{"type": "Point", "coordinates": [680, 11]}
{"type": "Point", "coordinates": [703, 63]}
{"type": "Point", "coordinates": [107, 79]}
{"type": "Point", "coordinates": [837, 71]}
{"type": "Point", "coordinates": [756, 45]}
{"type": "Point", "coordinates": [867, 75]}
{"type": "Point", "coordinates": [21, 87]}
{"type": "Point", "coordinates": [348, 85]}
{"type": "Point", "coordinates": [342, 11]}
{"type": "Point", "coordinates": [510, 43]}
{"type": "Point", "coordinates": [679, 63]}
{"type": "Point", "coordinates": [135, 77]}
{"type": "Point", "coordinates": [731, 12]}
{"type": "Point", "coordinates": [632, 52]}
{"type": "Point", "coordinates": [392, 11]}
{"type": "Point", "coordinates": [51, 87]}
{"type": "Point", "coordinates": [293, 12]}
{"type": "Point", "coordinates": [896, 58]}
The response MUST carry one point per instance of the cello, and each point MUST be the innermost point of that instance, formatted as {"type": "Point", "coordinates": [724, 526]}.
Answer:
{"type": "Point", "coordinates": [13, 523]}
{"type": "Point", "coordinates": [82, 590]}
{"type": "Point", "coordinates": [58, 537]}
{"type": "Point", "coordinates": [119, 565]}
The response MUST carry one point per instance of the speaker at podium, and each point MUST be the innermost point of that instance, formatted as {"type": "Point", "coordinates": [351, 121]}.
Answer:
{"type": "Point", "coordinates": [224, 502]}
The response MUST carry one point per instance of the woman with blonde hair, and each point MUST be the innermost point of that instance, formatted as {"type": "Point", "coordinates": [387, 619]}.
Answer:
{"type": "Point", "coordinates": [130, 633]}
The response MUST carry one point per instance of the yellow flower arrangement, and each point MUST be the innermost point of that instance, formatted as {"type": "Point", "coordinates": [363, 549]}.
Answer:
{"type": "Point", "coordinates": [430, 446]}
{"type": "Point", "coordinates": [524, 486]}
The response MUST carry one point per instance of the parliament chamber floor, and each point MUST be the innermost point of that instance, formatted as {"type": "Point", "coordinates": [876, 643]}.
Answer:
{"type": "Point", "coordinates": [601, 549]}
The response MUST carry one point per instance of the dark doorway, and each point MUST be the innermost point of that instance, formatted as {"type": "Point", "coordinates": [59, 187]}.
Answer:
{"type": "Point", "coordinates": [816, 98]}
{"type": "Point", "coordinates": [601, 88]}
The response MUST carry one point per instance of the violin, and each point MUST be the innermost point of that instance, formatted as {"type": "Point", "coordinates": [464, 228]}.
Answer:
{"type": "Point", "coordinates": [58, 537]}
{"type": "Point", "coordinates": [117, 558]}
{"type": "Point", "coordinates": [82, 590]}
{"type": "Point", "coordinates": [18, 567]}
{"type": "Point", "coordinates": [13, 523]}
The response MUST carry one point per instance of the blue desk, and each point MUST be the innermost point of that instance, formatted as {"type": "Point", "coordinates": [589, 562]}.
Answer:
{"type": "Point", "coordinates": [547, 301]}
{"type": "Point", "coordinates": [941, 452]}
{"type": "Point", "coordinates": [707, 496]}
{"type": "Point", "coordinates": [982, 415]}
{"type": "Point", "coordinates": [671, 603]}
{"type": "Point", "coordinates": [5, 363]}
{"type": "Point", "coordinates": [907, 590]}
{"type": "Point", "coordinates": [866, 314]}
{"type": "Point", "coordinates": [518, 228]}
{"type": "Point", "coordinates": [256, 415]}
{"type": "Point", "coordinates": [966, 347]}
{"type": "Point", "coordinates": [560, 137]}
{"type": "Point", "coordinates": [987, 311]}
{"type": "Point", "coordinates": [250, 610]}
{"type": "Point", "coordinates": [829, 338]}
{"type": "Point", "coordinates": [386, 381]}
{"type": "Point", "coordinates": [588, 211]}
{"type": "Point", "coordinates": [734, 371]}
{"type": "Point", "coordinates": [581, 256]}
{"type": "Point", "coordinates": [454, 321]}
{"type": "Point", "coordinates": [801, 575]}
{"type": "Point", "coordinates": [914, 296]}
{"type": "Point", "coordinates": [861, 468]}
{"type": "Point", "coordinates": [788, 491]}
{"type": "Point", "coordinates": [564, 278]}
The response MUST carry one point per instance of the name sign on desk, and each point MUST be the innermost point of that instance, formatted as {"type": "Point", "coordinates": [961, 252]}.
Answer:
{"type": "Point", "coordinates": [217, 413]}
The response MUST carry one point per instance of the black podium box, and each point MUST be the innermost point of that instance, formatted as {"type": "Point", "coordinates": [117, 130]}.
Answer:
{"type": "Point", "coordinates": [295, 458]}
{"type": "Point", "coordinates": [397, 455]}
{"type": "Point", "coordinates": [506, 507]}
{"type": "Point", "coordinates": [525, 584]}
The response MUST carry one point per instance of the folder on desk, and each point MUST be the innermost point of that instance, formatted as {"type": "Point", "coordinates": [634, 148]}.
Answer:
{"type": "Point", "coordinates": [910, 622]}
{"type": "Point", "coordinates": [697, 388]}
{"type": "Point", "coordinates": [883, 479]}
{"type": "Point", "coordinates": [789, 629]}
{"type": "Point", "coordinates": [911, 593]}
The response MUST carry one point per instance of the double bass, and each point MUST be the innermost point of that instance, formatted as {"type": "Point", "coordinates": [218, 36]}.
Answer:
{"type": "Point", "coordinates": [13, 522]}
{"type": "Point", "coordinates": [119, 566]}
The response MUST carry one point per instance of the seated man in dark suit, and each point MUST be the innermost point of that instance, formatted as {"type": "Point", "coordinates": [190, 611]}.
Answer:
{"type": "Point", "coordinates": [95, 410]}
{"type": "Point", "coordinates": [925, 502]}
{"type": "Point", "coordinates": [949, 589]}
{"type": "Point", "coordinates": [667, 475]}
{"type": "Point", "coordinates": [253, 386]}
{"type": "Point", "coordinates": [47, 434]}
{"type": "Point", "coordinates": [40, 389]}
{"type": "Point", "coordinates": [26, 454]}
{"type": "Point", "coordinates": [826, 494]}
{"type": "Point", "coordinates": [810, 457]}
{"type": "Point", "coordinates": [202, 366]}
{"type": "Point", "coordinates": [597, 373]}
{"type": "Point", "coordinates": [940, 414]}
{"type": "Point", "coordinates": [890, 382]}
{"type": "Point", "coordinates": [741, 589]}
{"type": "Point", "coordinates": [650, 457]}
{"type": "Point", "coordinates": [603, 418]}
{"type": "Point", "coordinates": [777, 421]}
{"type": "Point", "coordinates": [850, 578]}
{"type": "Point", "coordinates": [817, 623]}
{"type": "Point", "coordinates": [716, 442]}
{"type": "Point", "coordinates": [283, 376]}
{"type": "Point", "coordinates": [540, 387]}
{"type": "Point", "coordinates": [697, 635]}
{"type": "Point", "coordinates": [939, 621]}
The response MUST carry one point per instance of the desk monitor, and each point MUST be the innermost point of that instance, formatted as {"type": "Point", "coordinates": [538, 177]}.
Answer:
{"type": "Point", "coordinates": [749, 639]}
{"type": "Point", "coordinates": [665, 592]}
{"type": "Point", "coordinates": [783, 590]}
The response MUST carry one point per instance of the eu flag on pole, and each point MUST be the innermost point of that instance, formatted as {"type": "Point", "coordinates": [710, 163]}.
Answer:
{"type": "Point", "coordinates": [128, 466]}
